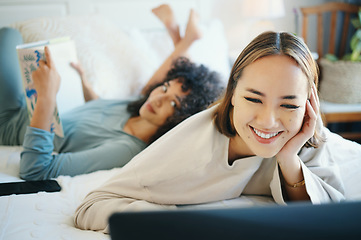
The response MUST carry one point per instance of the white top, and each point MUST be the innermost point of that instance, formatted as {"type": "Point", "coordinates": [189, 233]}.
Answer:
{"type": "Point", "coordinates": [189, 165]}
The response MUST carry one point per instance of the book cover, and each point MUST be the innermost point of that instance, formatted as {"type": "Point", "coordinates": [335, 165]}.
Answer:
{"type": "Point", "coordinates": [63, 52]}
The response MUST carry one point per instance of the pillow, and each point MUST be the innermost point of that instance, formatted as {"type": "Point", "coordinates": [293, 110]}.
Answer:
{"type": "Point", "coordinates": [211, 50]}
{"type": "Point", "coordinates": [118, 62]}
{"type": "Point", "coordinates": [112, 63]}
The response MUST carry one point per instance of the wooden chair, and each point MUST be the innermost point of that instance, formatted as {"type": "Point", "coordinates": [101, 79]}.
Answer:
{"type": "Point", "coordinates": [333, 113]}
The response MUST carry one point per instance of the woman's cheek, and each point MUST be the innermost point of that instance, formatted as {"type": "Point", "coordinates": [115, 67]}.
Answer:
{"type": "Point", "coordinates": [296, 120]}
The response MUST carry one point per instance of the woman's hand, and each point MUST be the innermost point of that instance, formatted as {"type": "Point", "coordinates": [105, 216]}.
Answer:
{"type": "Point", "coordinates": [79, 68]}
{"type": "Point", "coordinates": [287, 158]}
{"type": "Point", "coordinates": [293, 146]}
{"type": "Point", "coordinates": [47, 82]}
{"type": "Point", "coordinates": [46, 78]}
{"type": "Point", "coordinates": [88, 91]}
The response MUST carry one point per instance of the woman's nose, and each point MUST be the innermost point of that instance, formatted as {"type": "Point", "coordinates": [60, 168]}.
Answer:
{"type": "Point", "coordinates": [159, 100]}
{"type": "Point", "coordinates": [267, 118]}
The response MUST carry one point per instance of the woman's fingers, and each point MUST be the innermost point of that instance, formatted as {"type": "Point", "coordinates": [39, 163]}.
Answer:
{"type": "Point", "coordinates": [41, 63]}
{"type": "Point", "coordinates": [77, 67]}
{"type": "Point", "coordinates": [312, 114]}
{"type": "Point", "coordinates": [315, 97]}
{"type": "Point", "coordinates": [314, 107]}
{"type": "Point", "coordinates": [48, 57]}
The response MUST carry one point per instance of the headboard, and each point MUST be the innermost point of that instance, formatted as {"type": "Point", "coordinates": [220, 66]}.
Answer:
{"type": "Point", "coordinates": [132, 13]}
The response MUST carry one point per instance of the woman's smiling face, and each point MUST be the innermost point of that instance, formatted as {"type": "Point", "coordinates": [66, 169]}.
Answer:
{"type": "Point", "coordinates": [269, 105]}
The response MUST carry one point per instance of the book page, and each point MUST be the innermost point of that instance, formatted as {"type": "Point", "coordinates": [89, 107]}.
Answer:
{"type": "Point", "coordinates": [70, 94]}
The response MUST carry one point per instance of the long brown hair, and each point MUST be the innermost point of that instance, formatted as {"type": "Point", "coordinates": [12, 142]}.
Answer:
{"type": "Point", "coordinates": [267, 44]}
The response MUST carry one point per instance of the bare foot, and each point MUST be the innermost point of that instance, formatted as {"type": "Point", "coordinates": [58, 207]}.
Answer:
{"type": "Point", "coordinates": [193, 31]}
{"type": "Point", "coordinates": [165, 15]}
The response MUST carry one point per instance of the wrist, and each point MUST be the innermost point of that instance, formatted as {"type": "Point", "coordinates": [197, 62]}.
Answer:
{"type": "Point", "coordinates": [287, 160]}
{"type": "Point", "coordinates": [295, 185]}
{"type": "Point", "coordinates": [291, 172]}
{"type": "Point", "coordinates": [43, 112]}
{"type": "Point", "coordinates": [48, 99]}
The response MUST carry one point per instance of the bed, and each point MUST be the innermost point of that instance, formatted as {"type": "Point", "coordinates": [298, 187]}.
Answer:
{"type": "Point", "coordinates": [109, 34]}
{"type": "Point", "coordinates": [50, 215]}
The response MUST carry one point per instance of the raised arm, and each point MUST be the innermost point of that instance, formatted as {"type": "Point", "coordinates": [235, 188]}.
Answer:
{"type": "Point", "coordinates": [297, 176]}
{"type": "Point", "coordinates": [288, 159]}
{"type": "Point", "coordinates": [88, 91]}
{"type": "Point", "coordinates": [47, 82]}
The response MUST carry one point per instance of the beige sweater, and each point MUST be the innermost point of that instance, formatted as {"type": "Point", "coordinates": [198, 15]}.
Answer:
{"type": "Point", "coordinates": [189, 165]}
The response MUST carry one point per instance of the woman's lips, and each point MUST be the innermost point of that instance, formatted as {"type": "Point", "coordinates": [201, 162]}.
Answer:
{"type": "Point", "coordinates": [265, 137]}
{"type": "Point", "coordinates": [150, 107]}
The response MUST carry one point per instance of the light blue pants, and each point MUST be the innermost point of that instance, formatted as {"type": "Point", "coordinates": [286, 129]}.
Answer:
{"type": "Point", "coordinates": [13, 112]}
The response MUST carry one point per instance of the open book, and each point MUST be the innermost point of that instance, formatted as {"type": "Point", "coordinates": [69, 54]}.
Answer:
{"type": "Point", "coordinates": [70, 95]}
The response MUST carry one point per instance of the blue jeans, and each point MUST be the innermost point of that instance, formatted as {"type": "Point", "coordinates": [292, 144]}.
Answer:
{"type": "Point", "coordinates": [13, 112]}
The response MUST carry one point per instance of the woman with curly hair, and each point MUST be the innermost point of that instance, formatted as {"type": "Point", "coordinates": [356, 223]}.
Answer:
{"type": "Point", "coordinates": [103, 134]}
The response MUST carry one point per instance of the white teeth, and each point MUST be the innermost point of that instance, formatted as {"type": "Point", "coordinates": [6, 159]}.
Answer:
{"type": "Point", "coordinates": [263, 135]}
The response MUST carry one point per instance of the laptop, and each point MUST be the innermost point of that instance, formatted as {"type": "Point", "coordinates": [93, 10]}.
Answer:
{"type": "Point", "coordinates": [294, 221]}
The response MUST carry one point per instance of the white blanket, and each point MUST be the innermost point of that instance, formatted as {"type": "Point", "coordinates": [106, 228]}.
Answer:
{"type": "Point", "coordinates": [44, 215]}
{"type": "Point", "coordinates": [50, 215]}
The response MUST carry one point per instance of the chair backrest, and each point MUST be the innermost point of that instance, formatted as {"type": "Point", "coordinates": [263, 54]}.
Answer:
{"type": "Point", "coordinates": [340, 12]}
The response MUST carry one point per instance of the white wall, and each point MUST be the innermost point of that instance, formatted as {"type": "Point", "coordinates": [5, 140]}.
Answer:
{"type": "Point", "coordinates": [240, 30]}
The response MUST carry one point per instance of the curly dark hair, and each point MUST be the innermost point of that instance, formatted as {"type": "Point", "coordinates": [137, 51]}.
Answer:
{"type": "Point", "coordinates": [205, 86]}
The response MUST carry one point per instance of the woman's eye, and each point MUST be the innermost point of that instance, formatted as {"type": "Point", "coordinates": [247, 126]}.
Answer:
{"type": "Point", "coordinates": [290, 106]}
{"type": "Point", "coordinates": [254, 100]}
{"type": "Point", "coordinates": [164, 88]}
{"type": "Point", "coordinates": [173, 104]}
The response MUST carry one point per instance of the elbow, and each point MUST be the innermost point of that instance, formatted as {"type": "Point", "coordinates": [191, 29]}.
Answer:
{"type": "Point", "coordinates": [79, 216]}
{"type": "Point", "coordinates": [78, 223]}
{"type": "Point", "coordinates": [28, 172]}
{"type": "Point", "coordinates": [84, 219]}
{"type": "Point", "coordinates": [29, 176]}
{"type": "Point", "coordinates": [92, 213]}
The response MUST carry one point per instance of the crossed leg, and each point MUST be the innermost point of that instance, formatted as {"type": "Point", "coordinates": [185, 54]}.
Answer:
{"type": "Point", "coordinates": [166, 16]}
{"type": "Point", "coordinates": [181, 45]}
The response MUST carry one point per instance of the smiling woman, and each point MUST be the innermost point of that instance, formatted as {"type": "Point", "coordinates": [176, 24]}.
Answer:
{"type": "Point", "coordinates": [262, 138]}
{"type": "Point", "coordinates": [271, 106]}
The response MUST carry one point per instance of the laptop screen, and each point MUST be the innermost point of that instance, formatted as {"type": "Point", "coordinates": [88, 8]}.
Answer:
{"type": "Point", "coordinates": [294, 221]}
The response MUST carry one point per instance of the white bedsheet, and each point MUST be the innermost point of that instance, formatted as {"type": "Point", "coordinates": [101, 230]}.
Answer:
{"type": "Point", "coordinates": [50, 215]}
{"type": "Point", "coordinates": [44, 215]}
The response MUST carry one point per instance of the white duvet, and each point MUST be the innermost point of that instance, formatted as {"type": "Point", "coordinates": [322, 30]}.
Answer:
{"type": "Point", "coordinates": [50, 215]}
{"type": "Point", "coordinates": [44, 215]}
